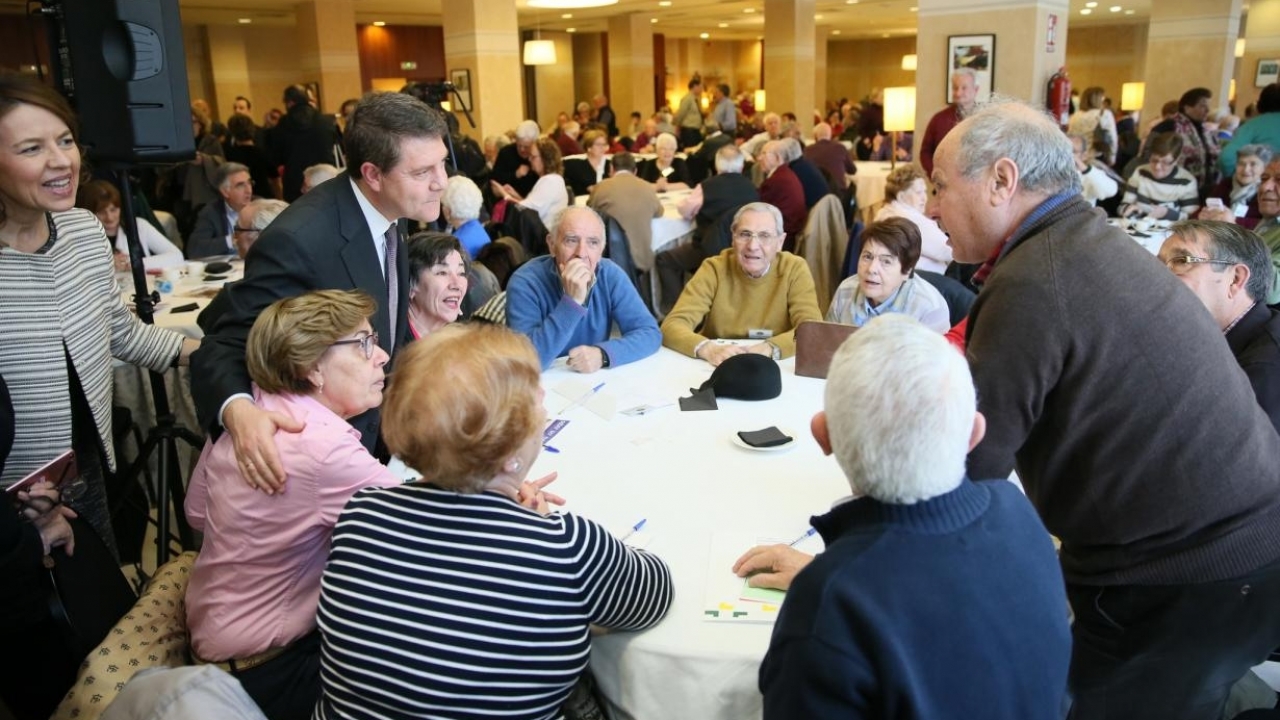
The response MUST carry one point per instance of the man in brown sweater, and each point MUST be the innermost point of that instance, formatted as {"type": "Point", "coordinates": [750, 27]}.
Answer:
{"type": "Point", "coordinates": [1131, 426]}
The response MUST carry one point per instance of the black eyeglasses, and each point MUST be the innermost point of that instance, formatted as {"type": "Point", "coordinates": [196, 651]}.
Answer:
{"type": "Point", "coordinates": [238, 229]}
{"type": "Point", "coordinates": [367, 343]}
{"type": "Point", "coordinates": [1182, 264]}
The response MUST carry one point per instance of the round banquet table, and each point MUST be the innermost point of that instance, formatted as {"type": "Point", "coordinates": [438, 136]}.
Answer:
{"type": "Point", "coordinates": [870, 178]}
{"type": "Point", "coordinates": [681, 473]}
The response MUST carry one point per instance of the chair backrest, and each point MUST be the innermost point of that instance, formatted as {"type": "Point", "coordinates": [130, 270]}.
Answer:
{"type": "Point", "coordinates": [719, 235]}
{"type": "Point", "coordinates": [618, 248]}
{"type": "Point", "coordinates": [822, 247]}
{"type": "Point", "coordinates": [500, 258]}
{"type": "Point", "coordinates": [494, 311]}
{"type": "Point", "coordinates": [959, 298]}
{"type": "Point", "coordinates": [152, 634]}
{"type": "Point", "coordinates": [526, 226]}
{"type": "Point", "coordinates": [852, 250]}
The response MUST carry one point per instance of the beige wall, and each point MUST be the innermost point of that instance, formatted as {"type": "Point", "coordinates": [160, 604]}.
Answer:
{"type": "Point", "coordinates": [1107, 56]}
{"type": "Point", "coordinates": [270, 57]}
{"type": "Point", "coordinates": [736, 62]}
{"type": "Point", "coordinates": [555, 92]}
{"type": "Point", "coordinates": [1179, 29]}
{"type": "Point", "coordinates": [1262, 42]}
{"type": "Point", "coordinates": [588, 66]}
{"type": "Point", "coordinates": [854, 67]}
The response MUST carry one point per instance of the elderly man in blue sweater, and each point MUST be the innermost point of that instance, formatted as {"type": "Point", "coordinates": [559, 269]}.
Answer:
{"type": "Point", "coordinates": [936, 597]}
{"type": "Point", "coordinates": [568, 302]}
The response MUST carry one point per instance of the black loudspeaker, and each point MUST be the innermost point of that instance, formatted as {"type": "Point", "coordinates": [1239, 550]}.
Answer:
{"type": "Point", "coordinates": [122, 65]}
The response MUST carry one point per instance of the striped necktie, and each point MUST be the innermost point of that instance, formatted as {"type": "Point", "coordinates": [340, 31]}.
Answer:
{"type": "Point", "coordinates": [393, 282]}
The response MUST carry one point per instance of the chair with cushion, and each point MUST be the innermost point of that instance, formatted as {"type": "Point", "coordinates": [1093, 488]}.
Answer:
{"type": "Point", "coordinates": [152, 634]}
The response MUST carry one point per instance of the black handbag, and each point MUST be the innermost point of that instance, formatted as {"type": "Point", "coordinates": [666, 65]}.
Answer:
{"type": "Point", "coordinates": [87, 593]}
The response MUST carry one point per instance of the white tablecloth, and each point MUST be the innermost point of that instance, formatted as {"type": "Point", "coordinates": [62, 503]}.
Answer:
{"type": "Point", "coordinates": [131, 385]}
{"type": "Point", "coordinates": [681, 472]}
{"type": "Point", "coordinates": [1150, 238]}
{"type": "Point", "coordinates": [870, 178]}
{"type": "Point", "coordinates": [668, 229]}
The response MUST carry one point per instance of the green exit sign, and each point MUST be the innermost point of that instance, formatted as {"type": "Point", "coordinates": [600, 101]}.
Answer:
{"type": "Point", "coordinates": [408, 65]}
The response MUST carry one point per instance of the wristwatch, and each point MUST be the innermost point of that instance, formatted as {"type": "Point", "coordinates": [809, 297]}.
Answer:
{"type": "Point", "coordinates": [777, 352]}
{"type": "Point", "coordinates": [604, 356]}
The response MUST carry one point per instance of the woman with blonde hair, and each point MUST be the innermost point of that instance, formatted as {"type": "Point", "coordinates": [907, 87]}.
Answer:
{"type": "Point", "coordinates": [905, 196]}
{"type": "Point", "coordinates": [1094, 120]}
{"type": "Point", "coordinates": [251, 604]}
{"type": "Point", "coordinates": [462, 594]}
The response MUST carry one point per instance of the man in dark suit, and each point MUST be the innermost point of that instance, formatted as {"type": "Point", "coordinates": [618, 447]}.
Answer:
{"type": "Point", "coordinates": [711, 204]}
{"type": "Point", "coordinates": [344, 234]}
{"type": "Point", "coordinates": [815, 186]}
{"type": "Point", "coordinates": [303, 137]}
{"type": "Point", "coordinates": [212, 232]}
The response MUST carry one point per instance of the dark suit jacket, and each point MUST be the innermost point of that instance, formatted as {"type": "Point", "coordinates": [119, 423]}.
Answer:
{"type": "Point", "coordinates": [303, 137]}
{"type": "Point", "coordinates": [1255, 342]}
{"type": "Point", "coordinates": [815, 186]}
{"type": "Point", "coordinates": [648, 171]}
{"type": "Point", "coordinates": [579, 175]}
{"type": "Point", "coordinates": [833, 157]}
{"type": "Point", "coordinates": [209, 235]}
{"type": "Point", "coordinates": [321, 242]}
{"type": "Point", "coordinates": [721, 195]}
{"type": "Point", "coordinates": [505, 167]}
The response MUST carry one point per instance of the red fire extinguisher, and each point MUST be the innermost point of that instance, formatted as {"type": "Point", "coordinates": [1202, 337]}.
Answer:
{"type": "Point", "coordinates": [1058, 96]}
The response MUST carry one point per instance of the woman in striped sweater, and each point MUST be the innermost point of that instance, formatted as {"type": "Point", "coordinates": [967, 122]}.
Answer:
{"type": "Point", "coordinates": [462, 595]}
{"type": "Point", "coordinates": [61, 317]}
{"type": "Point", "coordinates": [1162, 189]}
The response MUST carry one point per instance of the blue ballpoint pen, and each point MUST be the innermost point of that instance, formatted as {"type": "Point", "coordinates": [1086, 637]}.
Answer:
{"type": "Point", "coordinates": [634, 529]}
{"type": "Point", "coordinates": [585, 397]}
{"type": "Point", "coordinates": [802, 538]}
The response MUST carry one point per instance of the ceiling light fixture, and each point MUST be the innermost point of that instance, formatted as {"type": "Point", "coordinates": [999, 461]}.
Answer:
{"type": "Point", "coordinates": [724, 25]}
{"type": "Point", "coordinates": [664, 3]}
{"type": "Point", "coordinates": [571, 30]}
{"type": "Point", "coordinates": [705, 36]}
{"type": "Point", "coordinates": [1116, 8]}
{"type": "Point", "coordinates": [570, 4]}
{"type": "Point", "coordinates": [246, 21]}
{"type": "Point", "coordinates": [566, 16]}
{"type": "Point", "coordinates": [539, 51]}
{"type": "Point", "coordinates": [1086, 11]}
{"type": "Point", "coordinates": [835, 32]}
{"type": "Point", "coordinates": [817, 17]}
{"type": "Point", "coordinates": [1091, 4]}
{"type": "Point", "coordinates": [748, 10]}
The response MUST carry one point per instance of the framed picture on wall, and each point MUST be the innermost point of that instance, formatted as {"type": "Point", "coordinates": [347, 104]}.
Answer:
{"type": "Point", "coordinates": [1268, 72]}
{"type": "Point", "coordinates": [976, 53]}
{"type": "Point", "coordinates": [461, 80]}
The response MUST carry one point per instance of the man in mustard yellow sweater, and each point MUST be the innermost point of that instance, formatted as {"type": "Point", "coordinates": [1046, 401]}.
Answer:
{"type": "Point", "coordinates": [750, 290]}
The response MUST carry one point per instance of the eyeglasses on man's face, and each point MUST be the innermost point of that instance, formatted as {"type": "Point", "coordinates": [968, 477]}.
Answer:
{"type": "Point", "coordinates": [367, 343]}
{"type": "Point", "coordinates": [244, 231]}
{"type": "Point", "coordinates": [1182, 264]}
{"type": "Point", "coordinates": [746, 236]}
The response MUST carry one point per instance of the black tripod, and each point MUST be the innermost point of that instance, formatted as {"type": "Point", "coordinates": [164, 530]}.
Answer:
{"type": "Point", "coordinates": [170, 490]}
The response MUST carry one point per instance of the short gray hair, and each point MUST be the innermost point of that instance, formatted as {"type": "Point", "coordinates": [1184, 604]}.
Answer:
{"type": "Point", "coordinates": [762, 207]}
{"type": "Point", "coordinates": [822, 131]}
{"type": "Point", "coordinates": [967, 72]}
{"type": "Point", "coordinates": [225, 171]}
{"type": "Point", "coordinates": [667, 140]}
{"type": "Point", "coordinates": [528, 131]}
{"type": "Point", "coordinates": [317, 174]}
{"type": "Point", "coordinates": [1012, 129]}
{"type": "Point", "coordinates": [729, 159]}
{"type": "Point", "coordinates": [900, 407]}
{"type": "Point", "coordinates": [1262, 152]}
{"type": "Point", "coordinates": [264, 211]}
{"type": "Point", "coordinates": [462, 197]}
{"type": "Point", "coordinates": [790, 149]}
{"type": "Point", "coordinates": [1234, 244]}
{"type": "Point", "coordinates": [498, 141]}
{"type": "Point", "coordinates": [554, 229]}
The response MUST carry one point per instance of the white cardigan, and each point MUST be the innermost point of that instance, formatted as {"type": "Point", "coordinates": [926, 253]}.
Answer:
{"type": "Point", "coordinates": [935, 253]}
{"type": "Point", "coordinates": [158, 252]}
{"type": "Point", "coordinates": [61, 303]}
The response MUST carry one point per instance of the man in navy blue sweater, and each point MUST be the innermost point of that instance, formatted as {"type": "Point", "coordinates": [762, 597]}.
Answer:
{"type": "Point", "coordinates": [937, 597]}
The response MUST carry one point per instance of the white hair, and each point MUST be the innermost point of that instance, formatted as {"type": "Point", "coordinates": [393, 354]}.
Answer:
{"type": "Point", "coordinates": [789, 149]}
{"type": "Point", "coordinates": [462, 198]}
{"type": "Point", "coordinates": [264, 211]}
{"type": "Point", "coordinates": [761, 207]}
{"type": "Point", "coordinates": [1007, 128]}
{"type": "Point", "coordinates": [822, 131]}
{"type": "Point", "coordinates": [900, 407]}
{"type": "Point", "coordinates": [317, 174]}
{"type": "Point", "coordinates": [528, 131]}
{"type": "Point", "coordinates": [666, 140]}
{"type": "Point", "coordinates": [729, 159]}
{"type": "Point", "coordinates": [497, 141]}
{"type": "Point", "coordinates": [966, 72]}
